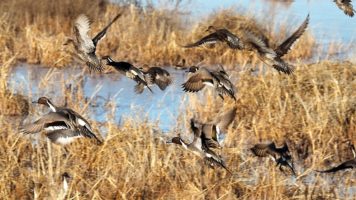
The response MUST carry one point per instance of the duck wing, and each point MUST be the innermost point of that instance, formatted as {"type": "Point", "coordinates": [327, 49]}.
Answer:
{"type": "Point", "coordinates": [51, 121]}
{"type": "Point", "coordinates": [283, 48]}
{"type": "Point", "coordinates": [346, 6]}
{"type": "Point", "coordinates": [102, 33]}
{"type": "Point", "coordinates": [209, 39]}
{"type": "Point", "coordinates": [198, 80]}
{"type": "Point", "coordinates": [224, 120]}
{"type": "Point", "coordinates": [81, 29]}
{"type": "Point", "coordinates": [346, 165]}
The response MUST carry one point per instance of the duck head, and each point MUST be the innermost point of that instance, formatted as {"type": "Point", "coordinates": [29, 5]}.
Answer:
{"type": "Point", "coordinates": [45, 101]}
{"type": "Point", "coordinates": [192, 69]}
{"type": "Point", "coordinates": [175, 140]}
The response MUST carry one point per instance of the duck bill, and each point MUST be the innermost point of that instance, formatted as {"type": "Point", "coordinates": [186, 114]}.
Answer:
{"type": "Point", "coordinates": [34, 101]}
{"type": "Point", "coordinates": [169, 141]}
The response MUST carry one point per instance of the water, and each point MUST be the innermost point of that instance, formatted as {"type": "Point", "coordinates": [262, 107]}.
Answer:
{"type": "Point", "coordinates": [161, 106]}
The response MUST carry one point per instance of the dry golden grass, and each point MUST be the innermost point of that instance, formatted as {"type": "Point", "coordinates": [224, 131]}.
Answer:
{"type": "Point", "coordinates": [313, 110]}
{"type": "Point", "coordinates": [36, 31]}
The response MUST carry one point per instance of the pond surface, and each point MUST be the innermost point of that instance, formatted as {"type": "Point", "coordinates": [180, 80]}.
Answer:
{"type": "Point", "coordinates": [161, 107]}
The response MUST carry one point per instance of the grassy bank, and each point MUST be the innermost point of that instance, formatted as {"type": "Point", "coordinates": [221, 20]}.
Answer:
{"type": "Point", "coordinates": [35, 33]}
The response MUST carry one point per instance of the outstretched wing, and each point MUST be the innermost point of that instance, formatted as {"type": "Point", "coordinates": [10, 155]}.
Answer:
{"type": "Point", "coordinates": [81, 29]}
{"type": "Point", "coordinates": [51, 121]}
{"type": "Point", "coordinates": [102, 33]}
{"type": "Point", "coordinates": [283, 48]}
{"type": "Point", "coordinates": [346, 165]}
{"type": "Point", "coordinates": [197, 81]}
{"type": "Point", "coordinates": [226, 119]}
{"type": "Point", "coordinates": [346, 6]}
{"type": "Point", "coordinates": [209, 39]}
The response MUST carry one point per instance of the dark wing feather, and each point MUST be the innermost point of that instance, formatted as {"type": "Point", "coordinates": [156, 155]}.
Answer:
{"type": "Point", "coordinates": [283, 48]}
{"type": "Point", "coordinates": [209, 39]}
{"type": "Point", "coordinates": [346, 165]}
{"type": "Point", "coordinates": [102, 33]}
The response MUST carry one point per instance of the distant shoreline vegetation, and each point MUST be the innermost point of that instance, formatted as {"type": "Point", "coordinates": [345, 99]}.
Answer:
{"type": "Point", "coordinates": [35, 33]}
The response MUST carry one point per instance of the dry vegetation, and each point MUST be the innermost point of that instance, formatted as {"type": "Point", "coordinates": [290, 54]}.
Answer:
{"type": "Point", "coordinates": [35, 33]}
{"type": "Point", "coordinates": [313, 110]}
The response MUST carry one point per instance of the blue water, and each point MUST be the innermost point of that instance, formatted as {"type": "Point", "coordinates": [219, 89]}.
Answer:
{"type": "Point", "coordinates": [161, 106]}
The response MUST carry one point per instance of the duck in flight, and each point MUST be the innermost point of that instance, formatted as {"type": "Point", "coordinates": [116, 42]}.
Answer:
{"type": "Point", "coordinates": [218, 36]}
{"type": "Point", "coordinates": [215, 131]}
{"type": "Point", "coordinates": [130, 71]}
{"type": "Point", "coordinates": [62, 125]}
{"type": "Point", "coordinates": [268, 55]}
{"type": "Point", "coordinates": [200, 148]}
{"type": "Point", "coordinates": [85, 46]}
{"type": "Point", "coordinates": [155, 75]}
{"type": "Point", "coordinates": [346, 6]}
{"type": "Point", "coordinates": [199, 77]}
{"type": "Point", "coordinates": [280, 155]}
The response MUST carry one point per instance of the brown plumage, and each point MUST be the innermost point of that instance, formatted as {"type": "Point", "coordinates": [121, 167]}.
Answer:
{"type": "Point", "coordinates": [273, 57]}
{"type": "Point", "coordinates": [215, 131]}
{"type": "Point", "coordinates": [75, 120]}
{"type": "Point", "coordinates": [219, 35]}
{"type": "Point", "coordinates": [280, 155]}
{"type": "Point", "coordinates": [200, 77]}
{"type": "Point", "coordinates": [346, 6]}
{"type": "Point", "coordinates": [199, 147]}
{"type": "Point", "coordinates": [84, 45]}
{"type": "Point", "coordinates": [158, 76]}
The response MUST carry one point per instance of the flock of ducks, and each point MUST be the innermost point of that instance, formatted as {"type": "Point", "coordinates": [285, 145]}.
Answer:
{"type": "Point", "coordinates": [63, 125]}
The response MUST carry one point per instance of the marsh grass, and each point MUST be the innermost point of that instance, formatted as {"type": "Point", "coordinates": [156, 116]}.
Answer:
{"type": "Point", "coordinates": [313, 110]}
{"type": "Point", "coordinates": [35, 32]}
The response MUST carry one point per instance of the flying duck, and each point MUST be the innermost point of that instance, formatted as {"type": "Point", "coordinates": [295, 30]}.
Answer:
{"type": "Point", "coordinates": [273, 57]}
{"type": "Point", "coordinates": [84, 45]}
{"type": "Point", "coordinates": [215, 131]}
{"type": "Point", "coordinates": [345, 165]}
{"type": "Point", "coordinates": [131, 72]}
{"type": "Point", "coordinates": [79, 123]}
{"type": "Point", "coordinates": [346, 6]}
{"type": "Point", "coordinates": [201, 76]}
{"type": "Point", "coordinates": [218, 35]}
{"type": "Point", "coordinates": [280, 155]}
{"type": "Point", "coordinates": [156, 75]}
{"type": "Point", "coordinates": [199, 147]}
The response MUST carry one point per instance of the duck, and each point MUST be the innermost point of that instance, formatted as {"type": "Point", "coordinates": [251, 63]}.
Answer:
{"type": "Point", "coordinates": [280, 155]}
{"type": "Point", "coordinates": [73, 124]}
{"type": "Point", "coordinates": [199, 147]}
{"type": "Point", "coordinates": [268, 55]}
{"type": "Point", "coordinates": [201, 77]}
{"type": "Point", "coordinates": [156, 75]}
{"type": "Point", "coordinates": [218, 35]}
{"type": "Point", "coordinates": [346, 6]}
{"type": "Point", "coordinates": [349, 164]}
{"type": "Point", "coordinates": [130, 71]}
{"type": "Point", "coordinates": [85, 46]}
{"type": "Point", "coordinates": [215, 131]}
